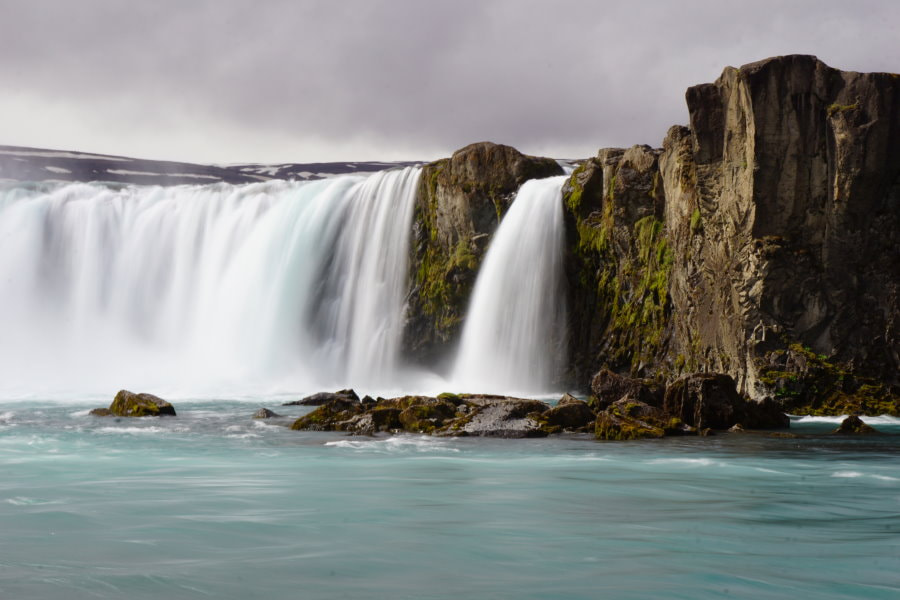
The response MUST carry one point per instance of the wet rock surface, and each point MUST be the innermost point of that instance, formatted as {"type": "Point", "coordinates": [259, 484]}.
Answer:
{"type": "Point", "coordinates": [324, 397]}
{"type": "Point", "coordinates": [265, 413]}
{"type": "Point", "coordinates": [694, 405]}
{"type": "Point", "coordinates": [853, 425]}
{"type": "Point", "coordinates": [129, 404]}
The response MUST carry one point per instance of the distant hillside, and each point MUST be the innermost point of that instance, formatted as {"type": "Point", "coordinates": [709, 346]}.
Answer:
{"type": "Point", "coordinates": [37, 164]}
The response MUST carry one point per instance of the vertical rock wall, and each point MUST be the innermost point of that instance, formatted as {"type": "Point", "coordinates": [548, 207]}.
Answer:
{"type": "Point", "coordinates": [783, 213]}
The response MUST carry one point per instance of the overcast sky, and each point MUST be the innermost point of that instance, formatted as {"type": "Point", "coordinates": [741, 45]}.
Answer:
{"type": "Point", "coordinates": [307, 80]}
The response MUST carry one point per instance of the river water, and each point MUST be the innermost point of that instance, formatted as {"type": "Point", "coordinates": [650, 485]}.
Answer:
{"type": "Point", "coordinates": [214, 504]}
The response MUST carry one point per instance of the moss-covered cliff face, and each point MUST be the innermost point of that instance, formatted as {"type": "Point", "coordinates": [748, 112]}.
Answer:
{"type": "Point", "coordinates": [761, 242]}
{"type": "Point", "coordinates": [783, 214]}
{"type": "Point", "coordinates": [459, 204]}
{"type": "Point", "coordinates": [618, 264]}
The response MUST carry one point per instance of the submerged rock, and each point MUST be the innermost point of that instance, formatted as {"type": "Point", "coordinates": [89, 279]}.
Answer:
{"type": "Point", "coordinates": [854, 425]}
{"type": "Point", "coordinates": [265, 413]}
{"type": "Point", "coordinates": [129, 404]}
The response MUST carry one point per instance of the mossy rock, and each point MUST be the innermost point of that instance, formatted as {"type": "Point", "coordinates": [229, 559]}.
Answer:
{"type": "Point", "coordinates": [574, 415]}
{"type": "Point", "coordinates": [609, 426]}
{"type": "Point", "coordinates": [806, 383]}
{"type": "Point", "coordinates": [426, 417]}
{"type": "Point", "coordinates": [129, 404]}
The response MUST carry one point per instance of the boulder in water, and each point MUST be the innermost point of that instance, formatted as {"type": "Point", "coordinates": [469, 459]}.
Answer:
{"type": "Point", "coordinates": [129, 404]}
{"type": "Point", "coordinates": [570, 414]}
{"type": "Point", "coordinates": [854, 425]}
{"type": "Point", "coordinates": [265, 413]}
{"type": "Point", "coordinates": [630, 419]}
{"type": "Point", "coordinates": [497, 416]}
{"type": "Point", "coordinates": [324, 397]}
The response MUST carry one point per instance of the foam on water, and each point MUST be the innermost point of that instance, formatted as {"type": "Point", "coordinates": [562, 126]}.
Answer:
{"type": "Point", "coordinates": [868, 420]}
{"type": "Point", "coordinates": [398, 443]}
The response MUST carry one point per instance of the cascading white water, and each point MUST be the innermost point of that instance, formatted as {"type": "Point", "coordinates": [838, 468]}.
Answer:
{"type": "Point", "coordinates": [196, 290]}
{"type": "Point", "coordinates": [513, 338]}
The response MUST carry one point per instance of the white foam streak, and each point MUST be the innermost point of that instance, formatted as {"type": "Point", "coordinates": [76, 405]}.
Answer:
{"type": "Point", "coordinates": [512, 340]}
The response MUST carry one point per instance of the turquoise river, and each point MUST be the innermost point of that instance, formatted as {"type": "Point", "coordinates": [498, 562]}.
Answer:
{"type": "Point", "coordinates": [212, 504]}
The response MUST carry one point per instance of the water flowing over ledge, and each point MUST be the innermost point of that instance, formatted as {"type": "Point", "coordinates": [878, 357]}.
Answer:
{"type": "Point", "coordinates": [514, 336]}
{"type": "Point", "coordinates": [203, 289]}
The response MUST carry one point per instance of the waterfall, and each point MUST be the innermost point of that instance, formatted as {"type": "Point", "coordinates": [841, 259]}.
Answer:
{"type": "Point", "coordinates": [513, 338]}
{"type": "Point", "coordinates": [194, 290]}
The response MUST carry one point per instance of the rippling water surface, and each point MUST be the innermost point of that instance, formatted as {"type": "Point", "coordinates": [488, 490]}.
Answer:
{"type": "Point", "coordinates": [213, 504]}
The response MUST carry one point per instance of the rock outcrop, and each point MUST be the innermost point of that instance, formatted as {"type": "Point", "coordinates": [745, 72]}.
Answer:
{"type": "Point", "coordinates": [762, 242]}
{"type": "Point", "coordinates": [447, 414]}
{"type": "Point", "coordinates": [129, 404]}
{"type": "Point", "coordinates": [853, 425]}
{"type": "Point", "coordinates": [459, 205]}
{"type": "Point", "coordinates": [690, 407]}
{"type": "Point", "coordinates": [618, 263]}
{"type": "Point", "coordinates": [783, 212]}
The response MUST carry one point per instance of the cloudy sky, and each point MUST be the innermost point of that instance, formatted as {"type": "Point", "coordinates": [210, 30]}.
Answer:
{"type": "Point", "coordinates": [307, 80]}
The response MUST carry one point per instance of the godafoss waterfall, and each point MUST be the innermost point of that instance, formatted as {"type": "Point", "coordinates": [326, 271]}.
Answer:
{"type": "Point", "coordinates": [703, 308]}
{"type": "Point", "coordinates": [204, 289]}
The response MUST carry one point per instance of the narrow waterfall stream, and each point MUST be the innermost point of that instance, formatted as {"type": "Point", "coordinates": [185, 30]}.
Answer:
{"type": "Point", "coordinates": [513, 340]}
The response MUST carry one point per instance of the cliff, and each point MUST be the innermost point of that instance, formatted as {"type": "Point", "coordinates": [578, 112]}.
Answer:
{"type": "Point", "coordinates": [762, 242]}
{"type": "Point", "coordinates": [777, 258]}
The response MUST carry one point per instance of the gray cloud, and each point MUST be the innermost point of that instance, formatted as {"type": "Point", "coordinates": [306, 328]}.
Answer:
{"type": "Point", "coordinates": [388, 79]}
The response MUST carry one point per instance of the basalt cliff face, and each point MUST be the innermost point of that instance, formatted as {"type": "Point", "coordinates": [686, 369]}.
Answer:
{"type": "Point", "coordinates": [763, 241]}
{"type": "Point", "coordinates": [782, 211]}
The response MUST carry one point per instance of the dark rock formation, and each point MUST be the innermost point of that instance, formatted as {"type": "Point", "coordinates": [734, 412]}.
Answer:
{"type": "Point", "coordinates": [448, 414]}
{"type": "Point", "coordinates": [618, 263]}
{"type": "Point", "coordinates": [459, 204]}
{"type": "Point", "coordinates": [630, 419]}
{"type": "Point", "coordinates": [129, 404]}
{"type": "Point", "coordinates": [760, 242]}
{"type": "Point", "coordinates": [324, 397]}
{"type": "Point", "coordinates": [265, 413]}
{"type": "Point", "coordinates": [854, 425]}
{"type": "Point", "coordinates": [569, 415]}
{"type": "Point", "coordinates": [783, 207]}
{"type": "Point", "coordinates": [608, 387]}
{"type": "Point", "coordinates": [711, 401]}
